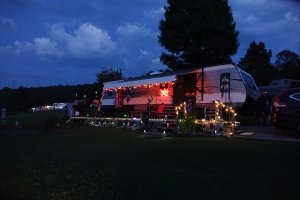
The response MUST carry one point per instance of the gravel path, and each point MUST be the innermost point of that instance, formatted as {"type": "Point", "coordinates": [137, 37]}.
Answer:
{"type": "Point", "coordinates": [268, 133]}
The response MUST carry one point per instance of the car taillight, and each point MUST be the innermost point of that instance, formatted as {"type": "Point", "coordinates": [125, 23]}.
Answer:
{"type": "Point", "coordinates": [278, 103]}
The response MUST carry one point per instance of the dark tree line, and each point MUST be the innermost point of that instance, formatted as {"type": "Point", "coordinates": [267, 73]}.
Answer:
{"type": "Point", "coordinates": [22, 99]}
{"type": "Point", "coordinates": [257, 62]}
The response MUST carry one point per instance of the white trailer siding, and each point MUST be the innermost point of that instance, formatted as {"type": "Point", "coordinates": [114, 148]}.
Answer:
{"type": "Point", "coordinates": [141, 96]}
{"type": "Point", "coordinates": [237, 94]}
{"type": "Point", "coordinates": [139, 89]}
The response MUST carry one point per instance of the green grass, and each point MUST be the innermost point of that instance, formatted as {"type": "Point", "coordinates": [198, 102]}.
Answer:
{"type": "Point", "coordinates": [33, 120]}
{"type": "Point", "coordinates": [78, 162]}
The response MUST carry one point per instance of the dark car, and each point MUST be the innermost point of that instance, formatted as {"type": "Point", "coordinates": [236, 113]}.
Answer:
{"type": "Point", "coordinates": [286, 109]}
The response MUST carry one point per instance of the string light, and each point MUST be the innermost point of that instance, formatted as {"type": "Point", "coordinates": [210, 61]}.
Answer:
{"type": "Point", "coordinates": [150, 85]}
{"type": "Point", "coordinates": [219, 104]}
{"type": "Point", "coordinates": [230, 111]}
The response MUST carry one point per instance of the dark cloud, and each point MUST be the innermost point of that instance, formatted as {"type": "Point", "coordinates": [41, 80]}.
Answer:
{"type": "Point", "coordinates": [296, 1]}
{"type": "Point", "coordinates": [278, 26]}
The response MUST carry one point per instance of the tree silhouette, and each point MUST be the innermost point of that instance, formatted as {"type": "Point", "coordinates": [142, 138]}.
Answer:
{"type": "Point", "coordinates": [107, 75]}
{"type": "Point", "coordinates": [288, 64]}
{"type": "Point", "coordinates": [257, 62]}
{"type": "Point", "coordinates": [197, 33]}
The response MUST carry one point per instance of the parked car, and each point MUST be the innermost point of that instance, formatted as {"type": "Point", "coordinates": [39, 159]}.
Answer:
{"type": "Point", "coordinates": [286, 109]}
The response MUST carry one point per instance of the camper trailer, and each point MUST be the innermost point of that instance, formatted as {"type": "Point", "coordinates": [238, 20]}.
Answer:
{"type": "Point", "coordinates": [199, 87]}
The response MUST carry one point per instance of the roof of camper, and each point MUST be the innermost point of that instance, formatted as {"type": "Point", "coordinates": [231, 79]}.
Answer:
{"type": "Point", "coordinates": [159, 78]}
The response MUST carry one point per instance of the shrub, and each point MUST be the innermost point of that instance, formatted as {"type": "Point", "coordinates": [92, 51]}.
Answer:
{"type": "Point", "coordinates": [187, 126]}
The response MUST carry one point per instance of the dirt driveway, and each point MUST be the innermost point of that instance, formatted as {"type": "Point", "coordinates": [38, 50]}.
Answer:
{"type": "Point", "coordinates": [267, 132]}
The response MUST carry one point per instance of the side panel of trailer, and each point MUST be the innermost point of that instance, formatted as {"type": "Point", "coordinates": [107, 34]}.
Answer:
{"type": "Point", "coordinates": [222, 83]}
{"type": "Point", "coordinates": [156, 94]}
{"type": "Point", "coordinates": [225, 83]}
{"type": "Point", "coordinates": [140, 91]}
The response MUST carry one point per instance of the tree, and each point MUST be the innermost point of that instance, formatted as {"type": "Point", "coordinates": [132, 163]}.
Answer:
{"type": "Point", "coordinates": [22, 99]}
{"type": "Point", "coordinates": [288, 64]}
{"type": "Point", "coordinates": [257, 62]}
{"type": "Point", "coordinates": [109, 75]}
{"type": "Point", "coordinates": [197, 33]}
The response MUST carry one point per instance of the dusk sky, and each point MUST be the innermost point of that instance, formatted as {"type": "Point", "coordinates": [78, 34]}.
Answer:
{"type": "Point", "coordinates": [52, 42]}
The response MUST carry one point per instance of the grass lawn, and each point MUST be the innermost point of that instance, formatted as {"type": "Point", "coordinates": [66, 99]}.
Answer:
{"type": "Point", "coordinates": [33, 120]}
{"type": "Point", "coordinates": [79, 162]}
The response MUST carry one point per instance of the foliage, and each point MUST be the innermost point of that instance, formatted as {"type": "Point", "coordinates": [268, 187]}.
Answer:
{"type": "Point", "coordinates": [257, 62]}
{"type": "Point", "coordinates": [22, 99]}
{"type": "Point", "coordinates": [288, 64]}
{"type": "Point", "coordinates": [197, 33]}
{"type": "Point", "coordinates": [107, 75]}
{"type": "Point", "coordinates": [187, 126]}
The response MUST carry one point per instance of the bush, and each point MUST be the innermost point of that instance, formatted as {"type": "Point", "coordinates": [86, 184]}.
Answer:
{"type": "Point", "coordinates": [187, 126]}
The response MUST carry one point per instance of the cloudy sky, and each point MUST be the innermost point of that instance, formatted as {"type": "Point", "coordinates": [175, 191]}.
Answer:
{"type": "Point", "coordinates": [51, 42]}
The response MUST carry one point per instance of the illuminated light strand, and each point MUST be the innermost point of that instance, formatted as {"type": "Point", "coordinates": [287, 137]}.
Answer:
{"type": "Point", "coordinates": [140, 86]}
{"type": "Point", "coordinates": [229, 109]}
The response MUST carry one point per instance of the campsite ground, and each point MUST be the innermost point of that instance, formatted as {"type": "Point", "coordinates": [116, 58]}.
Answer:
{"type": "Point", "coordinates": [80, 162]}
{"type": "Point", "coordinates": [269, 132]}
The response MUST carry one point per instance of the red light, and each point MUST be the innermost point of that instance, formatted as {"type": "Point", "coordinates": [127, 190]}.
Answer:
{"type": "Point", "coordinates": [278, 103]}
{"type": "Point", "coordinates": [164, 92]}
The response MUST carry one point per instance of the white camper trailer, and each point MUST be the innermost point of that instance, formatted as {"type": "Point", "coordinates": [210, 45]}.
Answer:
{"type": "Point", "coordinates": [225, 83]}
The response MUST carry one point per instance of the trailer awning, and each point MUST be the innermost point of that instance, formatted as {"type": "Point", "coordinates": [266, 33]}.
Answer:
{"type": "Point", "coordinates": [131, 83]}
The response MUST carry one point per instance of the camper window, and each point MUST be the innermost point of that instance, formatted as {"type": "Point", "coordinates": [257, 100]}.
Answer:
{"type": "Point", "coordinates": [249, 81]}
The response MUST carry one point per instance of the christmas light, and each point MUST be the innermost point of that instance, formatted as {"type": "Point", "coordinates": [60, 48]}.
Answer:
{"type": "Point", "coordinates": [150, 85]}
{"type": "Point", "coordinates": [230, 111]}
